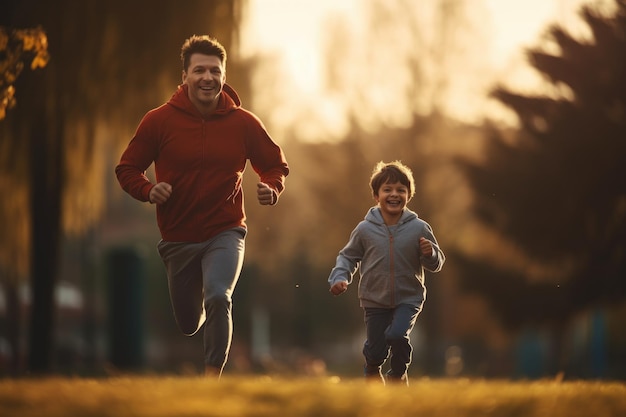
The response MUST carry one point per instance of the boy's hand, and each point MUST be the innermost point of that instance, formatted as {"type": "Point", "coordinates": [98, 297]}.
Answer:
{"type": "Point", "coordinates": [426, 248]}
{"type": "Point", "coordinates": [339, 287]}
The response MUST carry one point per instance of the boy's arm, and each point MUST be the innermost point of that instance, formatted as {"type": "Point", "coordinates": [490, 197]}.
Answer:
{"type": "Point", "coordinates": [346, 265]}
{"type": "Point", "coordinates": [431, 256]}
{"type": "Point", "coordinates": [341, 275]}
{"type": "Point", "coordinates": [435, 261]}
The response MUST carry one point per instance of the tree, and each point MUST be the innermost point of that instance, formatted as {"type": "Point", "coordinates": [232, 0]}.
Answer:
{"type": "Point", "coordinates": [18, 47]}
{"type": "Point", "coordinates": [555, 188]}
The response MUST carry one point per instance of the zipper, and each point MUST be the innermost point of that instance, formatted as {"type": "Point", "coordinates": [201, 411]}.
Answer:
{"type": "Point", "coordinates": [392, 278]}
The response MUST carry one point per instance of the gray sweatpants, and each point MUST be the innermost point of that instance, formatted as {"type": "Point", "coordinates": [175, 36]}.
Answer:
{"type": "Point", "coordinates": [202, 278]}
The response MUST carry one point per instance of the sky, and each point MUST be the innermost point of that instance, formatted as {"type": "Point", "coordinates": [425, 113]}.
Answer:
{"type": "Point", "coordinates": [294, 31]}
{"type": "Point", "coordinates": [519, 23]}
{"type": "Point", "coordinates": [294, 27]}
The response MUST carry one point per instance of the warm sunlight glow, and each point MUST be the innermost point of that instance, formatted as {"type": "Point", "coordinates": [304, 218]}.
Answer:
{"type": "Point", "coordinates": [294, 31]}
{"type": "Point", "coordinates": [460, 49]}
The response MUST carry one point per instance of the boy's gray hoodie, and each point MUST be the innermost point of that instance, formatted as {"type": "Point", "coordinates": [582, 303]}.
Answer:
{"type": "Point", "coordinates": [389, 260]}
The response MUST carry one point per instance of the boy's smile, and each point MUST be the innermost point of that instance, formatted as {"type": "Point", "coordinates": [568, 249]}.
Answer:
{"type": "Point", "coordinates": [392, 199]}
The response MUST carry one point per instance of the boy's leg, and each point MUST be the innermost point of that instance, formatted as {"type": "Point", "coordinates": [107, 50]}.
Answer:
{"type": "Point", "coordinates": [375, 348]}
{"type": "Point", "coordinates": [221, 265]}
{"type": "Point", "coordinates": [184, 278]}
{"type": "Point", "coordinates": [397, 336]}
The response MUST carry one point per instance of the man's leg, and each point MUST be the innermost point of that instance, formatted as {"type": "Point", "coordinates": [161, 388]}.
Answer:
{"type": "Point", "coordinates": [221, 265]}
{"type": "Point", "coordinates": [184, 277]}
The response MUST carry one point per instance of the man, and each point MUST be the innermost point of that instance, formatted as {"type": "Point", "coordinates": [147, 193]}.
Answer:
{"type": "Point", "coordinates": [199, 142]}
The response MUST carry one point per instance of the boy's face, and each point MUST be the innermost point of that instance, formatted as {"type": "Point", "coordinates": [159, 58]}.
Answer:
{"type": "Point", "coordinates": [392, 198]}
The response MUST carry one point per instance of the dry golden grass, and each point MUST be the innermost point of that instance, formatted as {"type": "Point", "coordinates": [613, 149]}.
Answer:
{"type": "Point", "coordinates": [302, 397]}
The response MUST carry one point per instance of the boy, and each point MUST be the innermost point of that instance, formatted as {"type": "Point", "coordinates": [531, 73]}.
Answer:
{"type": "Point", "coordinates": [391, 247]}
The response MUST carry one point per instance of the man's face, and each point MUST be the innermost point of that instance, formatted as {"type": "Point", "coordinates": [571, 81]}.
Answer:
{"type": "Point", "coordinates": [205, 78]}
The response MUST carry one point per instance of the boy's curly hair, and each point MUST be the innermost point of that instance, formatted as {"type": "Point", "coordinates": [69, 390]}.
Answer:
{"type": "Point", "coordinates": [391, 172]}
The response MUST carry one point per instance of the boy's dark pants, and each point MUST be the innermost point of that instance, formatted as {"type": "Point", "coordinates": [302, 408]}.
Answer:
{"type": "Point", "coordinates": [388, 330]}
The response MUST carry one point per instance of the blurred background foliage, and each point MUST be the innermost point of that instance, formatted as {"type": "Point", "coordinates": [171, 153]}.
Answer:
{"type": "Point", "coordinates": [530, 215]}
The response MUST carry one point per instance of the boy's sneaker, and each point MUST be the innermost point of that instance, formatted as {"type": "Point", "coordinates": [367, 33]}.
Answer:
{"type": "Point", "coordinates": [397, 380]}
{"type": "Point", "coordinates": [373, 374]}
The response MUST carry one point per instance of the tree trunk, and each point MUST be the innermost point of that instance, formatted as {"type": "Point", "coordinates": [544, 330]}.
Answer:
{"type": "Point", "coordinates": [46, 188]}
{"type": "Point", "coordinates": [14, 311]}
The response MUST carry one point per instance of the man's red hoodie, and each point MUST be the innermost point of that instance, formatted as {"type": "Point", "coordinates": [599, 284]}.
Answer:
{"type": "Point", "coordinates": [203, 159]}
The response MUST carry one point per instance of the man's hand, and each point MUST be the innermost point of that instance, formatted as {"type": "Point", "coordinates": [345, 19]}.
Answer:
{"type": "Point", "coordinates": [266, 196]}
{"type": "Point", "coordinates": [339, 287]}
{"type": "Point", "coordinates": [160, 193]}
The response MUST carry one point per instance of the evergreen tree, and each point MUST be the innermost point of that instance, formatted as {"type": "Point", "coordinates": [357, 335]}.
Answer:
{"type": "Point", "coordinates": [557, 188]}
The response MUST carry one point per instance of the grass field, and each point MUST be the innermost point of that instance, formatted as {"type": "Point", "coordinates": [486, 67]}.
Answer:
{"type": "Point", "coordinates": [325, 397]}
